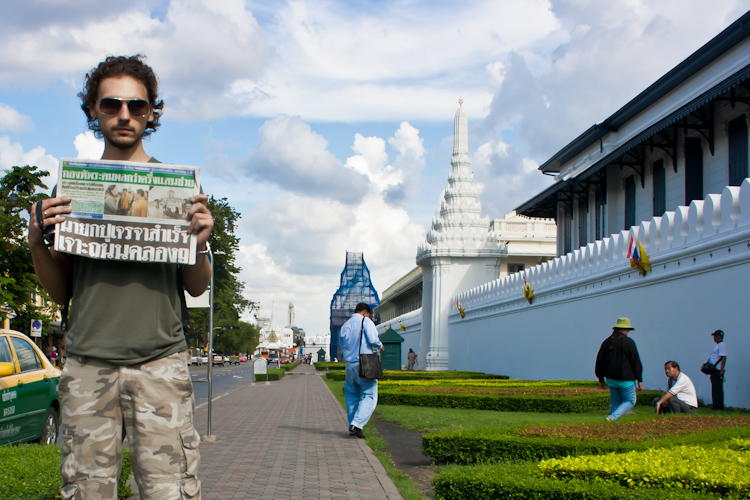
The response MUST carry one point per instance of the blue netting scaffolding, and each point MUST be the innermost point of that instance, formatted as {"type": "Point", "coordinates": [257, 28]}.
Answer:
{"type": "Point", "coordinates": [355, 287]}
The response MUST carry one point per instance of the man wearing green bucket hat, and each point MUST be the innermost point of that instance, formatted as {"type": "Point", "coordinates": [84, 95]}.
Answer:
{"type": "Point", "coordinates": [619, 364]}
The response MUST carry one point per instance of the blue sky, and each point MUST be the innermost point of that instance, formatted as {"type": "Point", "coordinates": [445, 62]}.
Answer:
{"type": "Point", "coordinates": [328, 124]}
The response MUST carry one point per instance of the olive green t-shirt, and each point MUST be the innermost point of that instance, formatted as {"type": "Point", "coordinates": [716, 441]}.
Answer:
{"type": "Point", "coordinates": [124, 313]}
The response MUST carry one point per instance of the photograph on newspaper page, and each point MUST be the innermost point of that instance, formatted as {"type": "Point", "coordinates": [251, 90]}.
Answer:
{"type": "Point", "coordinates": [127, 210]}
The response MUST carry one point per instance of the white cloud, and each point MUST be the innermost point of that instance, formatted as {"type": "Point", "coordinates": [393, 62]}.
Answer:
{"type": "Point", "coordinates": [198, 48]}
{"type": "Point", "coordinates": [215, 59]}
{"type": "Point", "coordinates": [13, 121]}
{"type": "Point", "coordinates": [292, 156]}
{"type": "Point", "coordinates": [12, 154]}
{"type": "Point", "coordinates": [269, 286]}
{"type": "Point", "coordinates": [301, 250]}
{"type": "Point", "coordinates": [555, 88]}
{"type": "Point", "coordinates": [504, 178]}
{"type": "Point", "coordinates": [88, 146]}
{"type": "Point", "coordinates": [402, 59]}
{"type": "Point", "coordinates": [496, 71]}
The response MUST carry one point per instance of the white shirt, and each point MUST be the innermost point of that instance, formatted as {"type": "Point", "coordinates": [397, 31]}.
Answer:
{"type": "Point", "coordinates": [719, 351]}
{"type": "Point", "coordinates": [684, 390]}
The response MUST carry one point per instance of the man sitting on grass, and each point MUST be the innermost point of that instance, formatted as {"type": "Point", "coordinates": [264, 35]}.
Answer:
{"type": "Point", "coordinates": [680, 396]}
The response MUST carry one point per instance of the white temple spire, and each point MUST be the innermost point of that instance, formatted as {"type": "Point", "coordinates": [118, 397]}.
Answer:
{"type": "Point", "coordinates": [460, 132]}
{"type": "Point", "coordinates": [460, 227]}
{"type": "Point", "coordinates": [459, 250]}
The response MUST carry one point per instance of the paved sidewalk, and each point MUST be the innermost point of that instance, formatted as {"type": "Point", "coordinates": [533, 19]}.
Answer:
{"type": "Point", "coordinates": [286, 440]}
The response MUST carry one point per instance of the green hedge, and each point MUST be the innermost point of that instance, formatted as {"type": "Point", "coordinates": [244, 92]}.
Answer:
{"type": "Point", "coordinates": [524, 481]}
{"type": "Point", "coordinates": [290, 366]}
{"type": "Point", "coordinates": [32, 471]}
{"type": "Point", "coordinates": [504, 402]}
{"type": "Point", "coordinates": [323, 366]}
{"type": "Point", "coordinates": [719, 469]}
{"type": "Point", "coordinates": [421, 375]}
{"type": "Point", "coordinates": [273, 374]}
{"type": "Point", "coordinates": [486, 445]}
{"type": "Point", "coordinates": [437, 375]}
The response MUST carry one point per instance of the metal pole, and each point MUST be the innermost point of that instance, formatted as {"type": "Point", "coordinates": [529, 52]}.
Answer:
{"type": "Point", "coordinates": [209, 437]}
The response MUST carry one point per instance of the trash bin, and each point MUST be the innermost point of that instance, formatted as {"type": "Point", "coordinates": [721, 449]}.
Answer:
{"type": "Point", "coordinates": [392, 349]}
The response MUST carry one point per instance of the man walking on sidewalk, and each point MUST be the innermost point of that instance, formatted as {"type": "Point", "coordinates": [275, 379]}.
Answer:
{"type": "Point", "coordinates": [361, 393]}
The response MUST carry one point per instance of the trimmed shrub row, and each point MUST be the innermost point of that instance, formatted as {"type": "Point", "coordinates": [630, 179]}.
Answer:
{"type": "Point", "coordinates": [484, 445]}
{"type": "Point", "coordinates": [321, 366]}
{"type": "Point", "coordinates": [422, 375]}
{"type": "Point", "coordinates": [33, 471]}
{"type": "Point", "coordinates": [524, 481]}
{"type": "Point", "coordinates": [290, 366]}
{"type": "Point", "coordinates": [273, 374]}
{"type": "Point", "coordinates": [503, 402]}
{"type": "Point", "coordinates": [495, 383]}
{"type": "Point", "coordinates": [720, 470]}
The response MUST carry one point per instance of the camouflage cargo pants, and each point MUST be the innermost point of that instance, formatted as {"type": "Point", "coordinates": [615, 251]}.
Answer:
{"type": "Point", "coordinates": [155, 402]}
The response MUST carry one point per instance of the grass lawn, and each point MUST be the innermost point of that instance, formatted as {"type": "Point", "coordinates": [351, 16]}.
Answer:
{"type": "Point", "coordinates": [433, 420]}
{"type": "Point", "coordinates": [421, 419]}
{"type": "Point", "coordinates": [406, 486]}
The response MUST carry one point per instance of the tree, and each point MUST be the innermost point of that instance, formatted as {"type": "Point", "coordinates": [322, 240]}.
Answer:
{"type": "Point", "coordinates": [229, 301]}
{"type": "Point", "coordinates": [18, 282]}
{"type": "Point", "coordinates": [243, 338]}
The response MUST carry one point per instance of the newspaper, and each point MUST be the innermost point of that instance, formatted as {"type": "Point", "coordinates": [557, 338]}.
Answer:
{"type": "Point", "coordinates": [127, 210]}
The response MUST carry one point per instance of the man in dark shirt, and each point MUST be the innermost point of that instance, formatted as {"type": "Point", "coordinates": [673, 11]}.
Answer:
{"type": "Point", "coordinates": [619, 364]}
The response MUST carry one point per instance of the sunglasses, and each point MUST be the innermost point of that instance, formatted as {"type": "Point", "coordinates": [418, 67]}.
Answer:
{"type": "Point", "coordinates": [113, 105]}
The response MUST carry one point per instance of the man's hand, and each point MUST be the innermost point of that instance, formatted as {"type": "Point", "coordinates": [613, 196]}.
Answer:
{"type": "Point", "coordinates": [201, 220]}
{"type": "Point", "coordinates": [640, 386]}
{"type": "Point", "coordinates": [53, 211]}
{"type": "Point", "coordinates": [602, 385]}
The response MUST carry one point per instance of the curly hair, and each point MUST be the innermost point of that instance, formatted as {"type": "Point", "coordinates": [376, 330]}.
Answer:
{"type": "Point", "coordinates": [114, 66]}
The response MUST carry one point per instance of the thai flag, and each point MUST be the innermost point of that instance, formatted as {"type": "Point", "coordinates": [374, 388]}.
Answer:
{"type": "Point", "coordinates": [633, 252]}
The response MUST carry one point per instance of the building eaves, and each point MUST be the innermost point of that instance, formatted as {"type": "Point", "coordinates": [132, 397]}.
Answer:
{"type": "Point", "coordinates": [406, 282]}
{"type": "Point", "coordinates": [731, 36]}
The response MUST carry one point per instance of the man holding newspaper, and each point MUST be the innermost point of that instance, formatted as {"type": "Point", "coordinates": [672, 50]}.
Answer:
{"type": "Point", "coordinates": [126, 350]}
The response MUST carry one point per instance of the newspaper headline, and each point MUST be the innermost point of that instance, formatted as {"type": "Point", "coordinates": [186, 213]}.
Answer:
{"type": "Point", "coordinates": [127, 211]}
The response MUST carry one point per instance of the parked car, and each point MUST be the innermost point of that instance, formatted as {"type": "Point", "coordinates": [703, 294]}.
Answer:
{"type": "Point", "coordinates": [273, 359]}
{"type": "Point", "coordinates": [204, 358]}
{"type": "Point", "coordinates": [243, 359]}
{"type": "Point", "coordinates": [284, 360]}
{"type": "Point", "coordinates": [29, 403]}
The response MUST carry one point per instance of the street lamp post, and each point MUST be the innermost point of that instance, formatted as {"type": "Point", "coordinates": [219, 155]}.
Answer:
{"type": "Point", "coordinates": [209, 436]}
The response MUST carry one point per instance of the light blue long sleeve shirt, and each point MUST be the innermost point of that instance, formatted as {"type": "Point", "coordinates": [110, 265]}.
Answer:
{"type": "Point", "coordinates": [349, 338]}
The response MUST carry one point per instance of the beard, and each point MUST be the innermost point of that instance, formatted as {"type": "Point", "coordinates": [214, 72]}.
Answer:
{"type": "Point", "coordinates": [122, 141]}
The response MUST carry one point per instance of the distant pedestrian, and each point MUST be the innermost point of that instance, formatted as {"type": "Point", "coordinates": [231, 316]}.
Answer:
{"type": "Point", "coordinates": [680, 396]}
{"type": "Point", "coordinates": [53, 355]}
{"type": "Point", "coordinates": [718, 357]}
{"type": "Point", "coordinates": [359, 336]}
{"type": "Point", "coordinates": [411, 357]}
{"type": "Point", "coordinates": [619, 364]}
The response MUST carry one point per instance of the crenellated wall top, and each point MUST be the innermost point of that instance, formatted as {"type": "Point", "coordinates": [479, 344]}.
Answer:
{"type": "Point", "coordinates": [712, 221]}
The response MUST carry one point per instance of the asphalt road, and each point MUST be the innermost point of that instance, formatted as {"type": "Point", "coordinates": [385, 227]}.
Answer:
{"type": "Point", "coordinates": [225, 378]}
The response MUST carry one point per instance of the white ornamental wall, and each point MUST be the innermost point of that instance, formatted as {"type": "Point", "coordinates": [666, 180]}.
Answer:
{"type": "Point", "coordinates": [698, 283]}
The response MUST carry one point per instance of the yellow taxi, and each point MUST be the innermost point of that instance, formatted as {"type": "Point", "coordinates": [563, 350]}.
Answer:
{"type": "Point", "coordinates": [29, 404]}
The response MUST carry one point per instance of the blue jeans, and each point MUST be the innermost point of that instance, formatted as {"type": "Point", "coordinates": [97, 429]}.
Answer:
{"type": "Point", "coordinates": [361, 396]}
{"type": "Point", "coordinates": [621, 400]}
